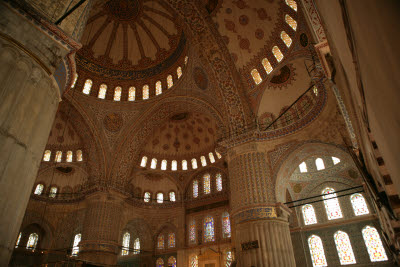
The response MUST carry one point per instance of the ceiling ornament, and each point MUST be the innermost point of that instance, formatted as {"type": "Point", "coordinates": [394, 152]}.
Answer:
{"type": "Point", "coordinates": [113, 122]}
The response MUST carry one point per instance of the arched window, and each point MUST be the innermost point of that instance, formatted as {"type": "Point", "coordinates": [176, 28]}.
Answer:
{"type": "Point", "coordinates": [32, 241]}
{"type": "Point", "coordinates": [170, 81]}
{"type": "Point", "coordinates": [58, 156]}
{"type": "Point", "coordinates": [160, 197]}
{"type": "Point", "coordinates": [153, 164]}
{"type": "Point", "coordinates": [315, 90]}
{"type": "Point", "coordinates": [147, 197]}
{"type": "Point", "coordinates": [331, 203]}
{"type": "Point", "coordinates": [76, 78]}
{"type": "Point", "coordinates": [317, 251]}
{"type": "Point", "coordinates": [194, 261]}
{"type": "Point", "coordinates": [160, 262]}
{"type": "Point", "coordinates": [160, 242]}
{"type": "Point", "coordinates": [211, 157]}
{"type": "Point", "coordinates": [226, 225]}
{"type": "Point", "coordinates": [194, 164]}
{"type": "Point", "coordinates": [218, 154]}
{"type": "Point", "coordinates": [320, 164]}
{"type": "Point", "coordinates": [203, 161]}
{"type": "Point", "coordinates": [291, 22]}
{"type": "Point", "coordinates": [286, 39]}
{"type": "Point", "coordinates": [218, 181]}
{"type": "Point", "coordinates": [335, 160]}
{"type": "Point", "coordinates": [145, 92]}
{"type": "Point", "coordinates": [256, 76]}
{"type": "Point", "coordinates": [131, 93]}
{"type": "Point", "coordinates": [53, 192]}
{"type": "Point", "coordinates": [192, 232]}
{"type": "Point", "coordinates": [228, 258]}
{"type": "Point", "coordinates": [18, 240]}
{"type": "Point", "coordinates": [171, 261]}
{"type": "Point", "coordinates": [164, 164]}
{"type": "Point", "coordinates": [79, 156]}
{"type": "Point", "coordinates": [143, 162]}
{"type": "Point", "coordinates": [309, 214]}
{"type": "Point", "coordinates": [39, 189]}
{"type": "Point", "coordinates": [195, 188]}
{"type": "Point", "coordinates": [267, 65]}
{"type": "Point", "coordinates": [277, 53]}
{"type": "Point", "coordinates": [344, 249]}
{"type": "Point", "coordinates": [158, 88]}
{"type": "Point", "coordinates": [374, 244]}
{"type": "Point", "coordinates": [209, 229]}
{"type": "Point", "coordinates": [174, 165]}
{"type": "Point", "coordinates": [117, 93]}
{"type": "Point", "coordinates": [136, 246]}
{"type": "Point", "coordinates": [47, 155]}
{"type": "Point", "coordinates": [87, 87]}
{"type": "Point", "coordinates": [303, 167]}
{"type": "Point", "coordinates": [102, 91]}
{"type": "Point", "coordinates": [292, 4]}
{"type": "Point", "coordinates": [207, 183]}
{"type": "Point", "coordinates": [171, 240]}
{"type": "Point", "coordinates": [184, 165]}
{"type": "Point", "coordinates": [359, 205]}
{"type": "Point", "coordinates": [179, 72]}
{"type": "Point", "coordinates": [186, 60]}
{"type": "Point", "coordinates": [75, 246]}
{"type": "Point", "coordinates": [172, 196]}
{"type": "Point", "coordinates": [69, 156]}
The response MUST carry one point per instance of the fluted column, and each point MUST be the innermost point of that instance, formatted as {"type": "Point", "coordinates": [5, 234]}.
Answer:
{"type": "Point", "coordinates": [101, 228]}
{"type": "Point", "coordinates": [255, 215]}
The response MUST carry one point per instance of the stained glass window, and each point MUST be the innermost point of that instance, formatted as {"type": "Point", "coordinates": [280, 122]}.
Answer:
{"type": "Point", "coordinates": [69, 156]}
{"type": "Point", "coordinates": [47, 155]}
{"type": "Point", "coordinates": [174, 165]}
{"type": "Point", "coordinates": [374, 244]}
{"type": "Point", "coordinates": [117, 93]}
{"type": "Point", "coordinates": [309, 214]}
{"type": "Point", "coordinates": [286, 39]}
{"type": "Point", "coordinates": [277, 53]}
{"type": "Point", "coordinates": [209, 229]}
{"type": "Point", "coordinates": [218, 154]}
{"type": "Point", "coordinates": [331, 203]}
{"type": "Point", "coordinates": [303, 167]}
{"type": "Point", "coordinates": [317, 251]}
{"type": "Point", "coordinates": [359, 205]}
{"type": "Point", "coordinates": [335, 160]}
{"type": "Point", "coordinates": [315, 90]}
{"type": "Point", "coordinates": [32, 241]}
{"type": "Point", "coordinates": [226, 225]}
{"type": "Point", "coordinates": [170, 81]}
{"type": "Point", "coordinates": [194, 163]}
{"type": "Point", "coordinates": [39, 189]}
{"type": "Point", "coordinates": [53, 192]}
{"type": "Point", "coordinates": [292, 4]}
{"type": "Point", "coordinates": [256, 76]}
{"type": "Point", "coordinates": [320, 164]}
{"type": "Point", "coordinates": [136, 246]}
{"type": "Point", "coordinates": [160, 197]}
{"type": "Point", "coordinates": [58, 156]}
{"type": "Point", "coordinates": [160, 262]}
{"type": "Point", "coordinates": [184, 165]}
{"type": "Point", "coordinates": [145, 92]}
{"type": "Point", "coordinates": [344, 249]}
{"type": "Point", "coordinates": [147, 197]}
{"type": "Point", "coordinates": [131, 93]}
{"type": "Point", "coordinates": [164, 164]}
{"type": "Point", "coordinates": [75, 247]}
{"type": "Point", "coordinates": [207, 183]}
{"type": "Point", "coordinates": [291, 22]}
{"type": "Point", "coordinates": [160, 242]}
{"type": "Point", "coordinates": [102, 91]}
{"type": "Point", "coordinates": [228, 258]}
{"type": "Point", "coordinates": [18, 239]}
{"type": "Point", "coordinates": [171, 261]}
{"type": "Point", "coordinates": [192, 232]}
{"type": "Point", "coordinates": [194, 261]}
{"type": "Point", "coordinates": [203, 161]}
{"type": "Point", "coordinates": [171, 240]}
{"type": "Point", "coordinates": [153, 164]}
{"type": "Point", "coordinates": [76, 78]}
{"type": "Point", "coordinates": [172, 196]}
{"type": "Point", "coordinates": [158, 88]}
{"type": "Point", "coordinates": [143, 162]}
{"type": "Point", "coordinates": [211, 157]}
{"type": "Point", "coordinates": [125, 243]}
{"type": "Point", "coordinates": [179, 72]}
{"type": "Point", "coordinates": [195, 188]}
{"type": "Point", "coordinates": [87, 87]}
{"type": "Point", "coordinates": [79, 156]}
{"type": "Point", "coordinates": [267, 65]}
{"type": "Point", "coordinates": [218, 181]}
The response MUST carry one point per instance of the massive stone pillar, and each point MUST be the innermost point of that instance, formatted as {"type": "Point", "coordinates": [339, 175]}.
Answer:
{"type": "Point", "coordinates": [29, 95]}
{"type": "Point", "coordinates": [101, 231]}
{"type": "Point", "coordinates": [262, 236]}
